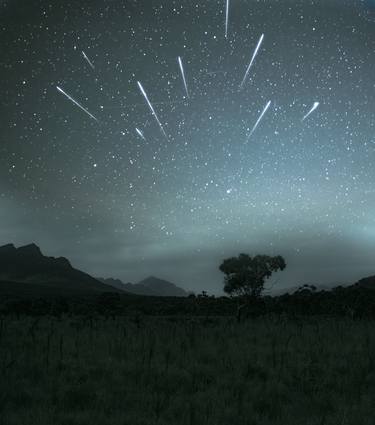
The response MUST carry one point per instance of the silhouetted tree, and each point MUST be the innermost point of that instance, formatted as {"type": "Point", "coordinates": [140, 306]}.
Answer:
{"type": "Point", "coordinates": [203, 294]}
{"type": "Point", "coordinates": [245, 276]}
{"type": "Point", "coordinates": [306, 290]}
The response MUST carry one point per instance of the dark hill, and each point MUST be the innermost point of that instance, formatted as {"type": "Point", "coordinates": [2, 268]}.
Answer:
{"type": "Point", "coordinates": [136, 289]}
{"type": "Point", "coordinates": [115, 283]}
{"type": "Point", "coordinates": [367, 282]}
{"type": "Point", "coordinates": [151, 286]}
{"type": "Point", "coordinates": [163, 287]}
{"type": "Point", "coordinates": [27, 265]}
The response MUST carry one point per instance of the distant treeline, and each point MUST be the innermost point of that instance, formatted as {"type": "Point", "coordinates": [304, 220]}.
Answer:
{"type": "Point", "coordinates": [354, 301]}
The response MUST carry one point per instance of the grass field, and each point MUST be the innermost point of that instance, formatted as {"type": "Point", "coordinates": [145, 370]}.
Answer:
{"type": "Point", "coordinates": [179, 371]}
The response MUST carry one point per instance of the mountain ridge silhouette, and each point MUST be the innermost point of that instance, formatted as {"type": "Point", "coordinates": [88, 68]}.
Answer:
{"type": "Point", "coordinates": [27, 265]}
{"type": "Point", "coordinates": [151, 286]}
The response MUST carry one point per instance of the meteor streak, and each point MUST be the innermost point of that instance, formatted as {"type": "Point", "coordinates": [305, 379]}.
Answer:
{"type": "Point", "coordinates": [140, 133]}
{"type": "Point", "coordinates": [88, 60]}
{"type": "Point", "coordinates": [315, 106]}
{"type": "Point", "coordinates": [152, 109]}
{"type": "Point", "coordinates": [76, 103]}
{"type": "Point", "coordinates": [183, 75]}
{"type": "Point", "coordinates": [252, 60]}
{"type": "Point", "coordinates": [259, 120]}
{"type": "Point", "coordinates": [226, 19]}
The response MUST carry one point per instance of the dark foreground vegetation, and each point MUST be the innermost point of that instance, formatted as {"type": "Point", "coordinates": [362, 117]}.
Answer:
{"type": "Point", "coordinates": [356, 301]}
{"type": "Point", "coordinates": [74, 354]}
{"type": "Point", "coordinates": [169, 370]}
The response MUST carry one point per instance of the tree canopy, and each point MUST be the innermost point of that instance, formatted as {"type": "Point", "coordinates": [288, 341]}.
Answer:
{"type": "Point", "coordinates": [245, 275]}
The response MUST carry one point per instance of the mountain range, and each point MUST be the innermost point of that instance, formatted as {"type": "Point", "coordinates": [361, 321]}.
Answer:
{"type": "Point", "coordinates": [27, 270]}
{"type": "Point", "coordinates": [27, 265]}
{"type": "Point", "coordinates": [152, 286]}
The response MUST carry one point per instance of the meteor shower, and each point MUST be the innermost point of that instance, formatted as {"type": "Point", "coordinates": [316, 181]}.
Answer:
{"type": "Point", "coordinates": [187, 226]}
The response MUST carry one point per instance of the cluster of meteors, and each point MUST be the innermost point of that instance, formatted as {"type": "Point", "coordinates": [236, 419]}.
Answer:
{"type": "Point", "coordinates": [181, 66]}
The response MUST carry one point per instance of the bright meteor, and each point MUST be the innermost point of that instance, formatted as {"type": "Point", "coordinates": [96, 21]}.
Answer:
{"type": "Point", "coordinates": [140, 133]}
{"type": "Point", "coordinates": [252, 60]}
{"type": "Point", "coordinates": [226, 19]}
{"type": "Point", "coordinates": [315, 106]}
{"type": "Point", "coordinates": [152, 109]}
{"type": "Point", "coordinates": [76, 103]}
{"type": "Point", "coordinates": [183, 75]}
{"type": "Point", "coordinates": [259, 120]}
{"type": "Point", "coordinates": [88, 60]}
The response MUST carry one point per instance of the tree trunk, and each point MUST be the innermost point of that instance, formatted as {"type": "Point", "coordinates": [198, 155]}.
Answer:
{"type": "Point", "coordinates": [240, 309]}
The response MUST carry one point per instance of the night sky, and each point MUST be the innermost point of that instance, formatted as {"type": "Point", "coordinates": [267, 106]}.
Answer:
{"type": "Point", "coordinates": [174, 205]}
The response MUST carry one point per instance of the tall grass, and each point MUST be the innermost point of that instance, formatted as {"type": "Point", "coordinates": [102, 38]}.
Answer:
{"type": "Point", "coordinates": [164, 371]}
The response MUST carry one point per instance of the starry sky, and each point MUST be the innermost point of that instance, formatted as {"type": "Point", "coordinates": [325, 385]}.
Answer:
{"type": "Point", "coordinates": [127, 204]}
